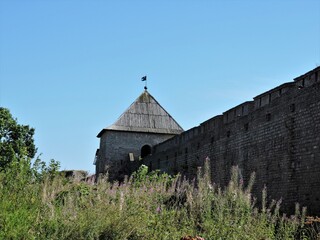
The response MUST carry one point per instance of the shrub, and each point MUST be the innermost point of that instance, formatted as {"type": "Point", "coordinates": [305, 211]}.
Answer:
{"type": "Point", "coordinates": [145, 206]}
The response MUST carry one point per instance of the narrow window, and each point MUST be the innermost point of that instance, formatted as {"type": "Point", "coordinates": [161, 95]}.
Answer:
{"type": "Point", "coordinates": [246, 127]}
{"type": "Point", "coordinates": [292, 107]}
{"type": "Point", "coordinates": [228, 133]}
{"type": "Point", "coordinates": [268, 117]}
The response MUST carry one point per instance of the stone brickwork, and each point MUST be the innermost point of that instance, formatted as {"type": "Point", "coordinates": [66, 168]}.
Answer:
{"type": "Point", "coordinates": [123, 144]}
{"type": "Point", "coordinates": [115, 146]}
{"type": "Point", "coordinates": [277, 136]}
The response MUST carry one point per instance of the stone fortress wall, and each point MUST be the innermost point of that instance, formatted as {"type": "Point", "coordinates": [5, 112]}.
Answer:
{"type": "Point", "coordinates": [114, 149]}
{"type": "Point", "coordinates": [277, 136]}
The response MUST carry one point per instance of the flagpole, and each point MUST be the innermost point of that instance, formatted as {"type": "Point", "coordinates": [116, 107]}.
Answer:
{"type": "Point", "coordinates": [144, 79]}
{"type": "Point", "coordinates": [145, 86]}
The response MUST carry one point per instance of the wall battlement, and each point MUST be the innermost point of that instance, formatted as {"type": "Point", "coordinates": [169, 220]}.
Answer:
{"type": "Point", "coordinates": [277, 135]}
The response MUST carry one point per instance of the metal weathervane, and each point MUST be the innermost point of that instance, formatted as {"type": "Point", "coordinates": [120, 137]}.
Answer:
{"type": "Point", "coordinates": [144, 79]}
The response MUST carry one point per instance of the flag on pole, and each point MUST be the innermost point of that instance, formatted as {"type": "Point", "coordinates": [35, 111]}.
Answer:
{"type": "Point", "coordinates": [144, 78]}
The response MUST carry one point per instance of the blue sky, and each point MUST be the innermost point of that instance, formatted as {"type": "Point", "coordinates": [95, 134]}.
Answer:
{"type": "Point", "coordinates": [70, 68]}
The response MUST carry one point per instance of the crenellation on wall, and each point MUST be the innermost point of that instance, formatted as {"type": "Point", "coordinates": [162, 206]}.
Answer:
{"type": "Point", "coordinates": [238, 111]}
{"type": "Point", "coordinates": [308, 79]}
{"type": "Point", "coordinates": [212, 124]}
{"type": "Point", "coordinates": [276, 136]}
{"type": "Point", "coordinates": [266, 97]}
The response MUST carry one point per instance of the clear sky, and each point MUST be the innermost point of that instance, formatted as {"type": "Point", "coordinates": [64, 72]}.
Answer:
{"type": "Point", "coordinates": [69, 68]}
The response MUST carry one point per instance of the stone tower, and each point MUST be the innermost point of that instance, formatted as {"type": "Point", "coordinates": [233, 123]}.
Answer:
{"type": "Point", "coordinates": [131, 138]}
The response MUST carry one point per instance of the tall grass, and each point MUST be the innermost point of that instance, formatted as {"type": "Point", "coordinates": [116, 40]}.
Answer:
{"type": "Point", "coordinates": [145, 206]}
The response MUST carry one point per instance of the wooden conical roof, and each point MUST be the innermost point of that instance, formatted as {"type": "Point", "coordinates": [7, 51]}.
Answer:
{"type": "Point", "coordinates": [145, 114]}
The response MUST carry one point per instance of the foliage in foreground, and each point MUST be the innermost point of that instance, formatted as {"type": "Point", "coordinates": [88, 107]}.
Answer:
{"type": "Point", "coordinates": [44, 205]}
{"type": "Point", "coordinates": [16, 140]}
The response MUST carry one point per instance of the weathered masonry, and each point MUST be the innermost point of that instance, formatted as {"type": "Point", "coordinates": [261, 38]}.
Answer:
{"type": "Point", "coordinates": [143, 125]}
{"type": "Point", "coordinates": [277, 136]}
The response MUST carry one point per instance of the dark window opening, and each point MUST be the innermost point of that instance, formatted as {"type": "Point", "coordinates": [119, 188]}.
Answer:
{"type": "Point", "coordinates": [145, 151]}
{"type": "Point", "coordinates": [268, 117]}
{"type": "Point", "coordinates": [292, 107]}
{"type": "Point", "coordinates": [198, 145]}
{"type": "Point", "coordinates": [228, 133]}
{"type": "Point", "coordinates": [292, 120]}
{"type": "Point", "coordinates": [212, 139]}
{"type": "Point", "coordinates": [246, 127]}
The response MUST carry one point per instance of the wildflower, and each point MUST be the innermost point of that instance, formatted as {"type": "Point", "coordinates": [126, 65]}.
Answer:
{"type": "Point", "coordinates": [192, 238]}
{"type": "Point", "coordinates": [241, 181]}
{"type": "Point", "coordinates": [158, 209]}
{"type": "Point", "coordinates": [199, 238]}
{"type": "Point", "coordinates": [121, 200]}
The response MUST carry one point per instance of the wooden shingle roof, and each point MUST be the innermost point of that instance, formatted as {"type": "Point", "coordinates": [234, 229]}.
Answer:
{"type": "Point", "coordinates": [145, 114]}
